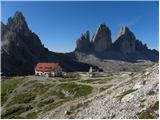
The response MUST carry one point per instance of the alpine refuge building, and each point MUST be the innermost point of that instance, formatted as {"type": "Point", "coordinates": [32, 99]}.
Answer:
{"type": "Point", "coordinates": [48, 69]}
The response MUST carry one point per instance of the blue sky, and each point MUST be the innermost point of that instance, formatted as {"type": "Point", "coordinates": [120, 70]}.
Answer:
{"type": "Point", "coordinates": [59, 24]}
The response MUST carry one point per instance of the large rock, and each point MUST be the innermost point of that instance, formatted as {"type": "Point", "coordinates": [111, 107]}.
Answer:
{"type": "Point", "coordinates": [102, 38]}
{"type": "Point", "coordinates": [125, 41]}
{"type": "Point", "coordinates": [83, 44]}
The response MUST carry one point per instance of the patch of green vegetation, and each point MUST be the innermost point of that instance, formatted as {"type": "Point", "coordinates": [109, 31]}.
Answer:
{"type": "Point", "coordinates": [155, 106]}
{"type": "Point", "coordinates": [77, 90]}
{"type": "Point", "coordinates": [148, 113]}
{"type": "Point", "coordinates": [8, 86]}
{"type": "Point", "coordinates": [142, 100]}
{"type": "Point", "coordinates": [29, 94]}
{"type": "Point", "coordinates": [14, 112]}
{"type": "Point", "coordinates": [151, 92]}
{"type": "Point", "coordinates": [104, 88]}
{"type": "Point", "coordinates": [56, 92]}
{"type": "Point", "coordinates": [95, 81]}
{"type": "Point", "coordinates": [75, 109]}
{"type": "Point", "coordinates": [45, 102]}
{"type": "Point", "coordinates": [54, 105]}
{"type": "Point", "coordinates": [71, 75]}
{"type": "Point", "coordinates": [21, 98]}
{"type": "Point", "coordinates": [145, 114]}
{"type": "Point", "coordinates": [31, 115]}
{"type": "Point", "coordinates": [69, 79]}
{"type": "Point", "coordinates": [40, 88]}
{"type": "Point", "coordinates": [30, 82]}
{"type": "Point", "coordinates": [126, 93]}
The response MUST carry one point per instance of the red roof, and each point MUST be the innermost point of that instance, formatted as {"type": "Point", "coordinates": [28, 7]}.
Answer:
{"type": "Point", "coordinates": [45, 67]}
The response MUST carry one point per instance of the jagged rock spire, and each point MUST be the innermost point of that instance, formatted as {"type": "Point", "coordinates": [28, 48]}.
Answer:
{"type": "Point", "coordinates": [17, 23]}
{"type": "Point", "coordinates": [125, 41]}
{"type": "Point", "coordinates": [102, 38]}
{"type": "Point", "coordinates": [83, 43]}
{"type": "Point", "coordinates": [126, 32]}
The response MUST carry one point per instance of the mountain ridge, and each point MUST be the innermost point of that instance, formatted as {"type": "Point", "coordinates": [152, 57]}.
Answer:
{"type": "Point", "coordinates": [126, 47]}
{"type": "Point", "coordinates": [21, 48]}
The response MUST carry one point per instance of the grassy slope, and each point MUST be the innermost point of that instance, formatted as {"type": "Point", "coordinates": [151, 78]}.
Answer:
{"type": "Point", "coordinates": [23, 98]}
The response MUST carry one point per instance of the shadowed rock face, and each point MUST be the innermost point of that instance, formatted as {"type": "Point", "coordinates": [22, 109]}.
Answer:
{"type": "Point", "coordinates": [102, 38]}
{"type": "Point", "coordinates": [83, 43]}
{"type": "Point", "coordinates": [125, 41]}
{"type": "Point", "coordinates": [21, 48]}
{"type": "Point", "coordinates": [126, 47]}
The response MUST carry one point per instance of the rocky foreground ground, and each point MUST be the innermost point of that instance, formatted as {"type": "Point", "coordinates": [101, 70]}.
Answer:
{"type": "Point", "coordinates": [134, 97]}
{"type": "Point", "coordinates": [108, 95]}
{"type": "Point", "coordinates": [127, 96]}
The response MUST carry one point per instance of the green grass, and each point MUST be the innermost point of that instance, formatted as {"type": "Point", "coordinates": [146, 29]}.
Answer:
{"type": "Point", "coordinates": [126, 93]}
{"type": "Point", "coordinates": [14, 112]}
{"type": "Point", "coordinates": [71, 75]}
{"type": "Point", "coordinates": [69, 79]}
{"type": "Point", "coordinates": [75, 108]}
{"type": "Point", "coordinates": [95, 81]}
{"type": "Point", "coordinates": [104, 88]}
{"type": "Point", "coordinates": [76, 89]}
{"type": "Point", "coordinates": [35, 94]}
{"type": "Point", "coordinates": [148, 113]}
{"type": "Point", "coordinates": [31, 115]}
{"type": "Point", "coordinates": [29, 94]}
{"type": "Point", "coordinates": [54, 105]}
{"type": "Point", "coordinates": [155, 106]}
{"type": "Point", "coordinates": [151, 92]}
{"type": "Point", "coordinates": [45, 102]}
{"type": "Point", "coordinates": [8, 86]}
{"type": "Point", "coordinates": [145, 114]}
{"type": "Point", "coordinates": [22, 98]}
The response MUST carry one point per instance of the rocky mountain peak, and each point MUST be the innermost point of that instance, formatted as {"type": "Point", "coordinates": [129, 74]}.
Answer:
{"type": "Point", "coordinates": [125, 41]}
{"type": "Point", "coordinates": [83, 43]}
{"type": "Point", "coordinates": [125, 31]}
{"type": "Point", "coordinates": [17, 23]}
{"type": "Point", "coordinates": [102, 38]}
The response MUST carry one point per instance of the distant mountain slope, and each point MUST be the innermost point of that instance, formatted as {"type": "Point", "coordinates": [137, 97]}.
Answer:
{"type": "Point", "coordinates": [21, 49]}
{"type": "Point", "coordinates": [126, 46]}
{"type": "Point", "coordinates": [124, 54]}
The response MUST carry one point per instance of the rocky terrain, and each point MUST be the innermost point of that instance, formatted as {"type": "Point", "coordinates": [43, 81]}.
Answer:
{"type": "Point", "coordinates": [103, 95]}
{"type": "Point", "coordinates": [121, 96]}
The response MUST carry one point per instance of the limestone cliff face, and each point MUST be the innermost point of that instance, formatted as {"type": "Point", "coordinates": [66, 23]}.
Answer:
{"type": "Point", "coordinates": [125, 41]}
{"type": "Point", "coordinates": [102, 38]}
{"type": "Point", "coordinates": [126, 46]}
{"type": "Point", "coordinates": [21, 48]}
{"type": "Point", "coordinates": [83, 44]}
